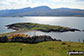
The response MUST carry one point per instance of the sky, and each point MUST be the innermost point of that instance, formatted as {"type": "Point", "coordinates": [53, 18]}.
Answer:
{"type": "Point", "coordinates": [18, 4]}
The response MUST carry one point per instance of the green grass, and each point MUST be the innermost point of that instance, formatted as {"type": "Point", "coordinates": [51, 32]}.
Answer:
{"type": "Point", "coordinates": [52, 48]}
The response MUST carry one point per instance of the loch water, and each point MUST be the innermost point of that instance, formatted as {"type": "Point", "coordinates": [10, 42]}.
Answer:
{"type": "Point", "coordinates": [72, 22]}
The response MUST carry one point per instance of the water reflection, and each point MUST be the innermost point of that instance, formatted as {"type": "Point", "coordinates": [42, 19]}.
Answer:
{"type": "Point", "coordinates": [66, 36]}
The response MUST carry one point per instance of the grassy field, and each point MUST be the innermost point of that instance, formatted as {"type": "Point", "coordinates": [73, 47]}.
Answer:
{"type": "Point", "coordinates": [41, 49]}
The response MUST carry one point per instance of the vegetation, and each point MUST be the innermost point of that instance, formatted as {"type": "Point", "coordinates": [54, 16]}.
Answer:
{"type": "Point", "coordinates": [18, 35]}
{"type": "Point", "coordinates": [51, 48]}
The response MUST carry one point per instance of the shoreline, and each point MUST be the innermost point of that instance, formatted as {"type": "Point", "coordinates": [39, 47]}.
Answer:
{"type": "Point", "coordinates": [15, 32]}
{"type": "Point", "coordinates": [25, 31]}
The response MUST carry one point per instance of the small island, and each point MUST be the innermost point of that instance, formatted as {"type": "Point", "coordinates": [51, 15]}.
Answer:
{"type": "Point", "coordinates": [39, 27]}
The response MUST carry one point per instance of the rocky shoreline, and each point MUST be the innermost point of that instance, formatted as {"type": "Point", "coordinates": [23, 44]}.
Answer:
{"type": "Point", "coordinates": [65, 30]}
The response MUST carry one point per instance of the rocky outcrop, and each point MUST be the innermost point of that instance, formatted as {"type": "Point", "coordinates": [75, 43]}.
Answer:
{"type": "Point", "coordinates": [31, 40]}
{"type": "Point", "coordinates": [3, 39]}
{"type": "Point", "coordinates": [37, 39]}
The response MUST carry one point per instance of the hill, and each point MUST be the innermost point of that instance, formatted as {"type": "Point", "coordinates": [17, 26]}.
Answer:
{"type": "Point", "coordinates": [41, 11]}
{"type": "Point", "coordinates": [52, 48]}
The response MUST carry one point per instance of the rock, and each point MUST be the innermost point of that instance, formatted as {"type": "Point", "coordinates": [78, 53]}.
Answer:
{"type": "Point", "coordinates": [73, 30]}
{"type": "Point", "coordinates": [62, 30]}
{"type": "Point", "coordinates": [37, 39]}
{"type": "Point", "coordinates": [20, 49]}
{"type": "Point", "coordinates": [3, 39]}
{"type": "Point", "coordinates": [32, 40]}
{"type": "Point", "coordinates": [63, 43]}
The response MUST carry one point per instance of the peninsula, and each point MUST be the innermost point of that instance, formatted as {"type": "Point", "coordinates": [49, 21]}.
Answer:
{"type": "Point", "coordinates": [39, 27]}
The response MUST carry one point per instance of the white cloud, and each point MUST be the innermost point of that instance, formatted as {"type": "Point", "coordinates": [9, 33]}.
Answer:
{"type": "Point", "coordinates": [14, 4]}
{"type": "Point", "coordinates": [64, 0]}
{"type": "Point", "coordinates": [56, 0]}
{"type": "Point", "coordinates": [17, 4]}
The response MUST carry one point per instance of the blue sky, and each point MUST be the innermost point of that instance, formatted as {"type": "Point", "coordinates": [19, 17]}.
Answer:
{"type": "Point", "coordinates": [17, 4]}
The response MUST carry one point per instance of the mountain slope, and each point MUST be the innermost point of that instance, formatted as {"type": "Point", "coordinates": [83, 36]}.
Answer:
{"type": "Point", "coordinates": [42, 11]}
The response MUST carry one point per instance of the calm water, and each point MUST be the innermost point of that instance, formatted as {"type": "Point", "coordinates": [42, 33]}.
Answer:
{"type": "Point", "coordinates": [73, 22]}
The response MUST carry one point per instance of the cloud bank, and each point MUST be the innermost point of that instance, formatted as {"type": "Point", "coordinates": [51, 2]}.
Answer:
{"type": "Point", "coordinates": [17, 4]}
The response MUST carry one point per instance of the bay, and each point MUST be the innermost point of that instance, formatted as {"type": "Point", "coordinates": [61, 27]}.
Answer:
{"type": "Point", "coordinates": [72, 22]}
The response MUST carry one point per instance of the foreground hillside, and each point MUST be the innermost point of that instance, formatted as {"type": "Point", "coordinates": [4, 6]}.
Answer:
{"type": "Point", "coordinates": [52, 48]}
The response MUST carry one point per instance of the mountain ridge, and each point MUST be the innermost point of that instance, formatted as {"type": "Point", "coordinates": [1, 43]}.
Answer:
{"type": "Point", "coordinates": [42, 11]}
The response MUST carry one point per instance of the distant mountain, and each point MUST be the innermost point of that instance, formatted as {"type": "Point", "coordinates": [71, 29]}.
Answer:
{"type": "Point", "coordinates": [42, 11]}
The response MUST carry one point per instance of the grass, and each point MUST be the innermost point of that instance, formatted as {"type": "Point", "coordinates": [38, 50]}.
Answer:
{"type": "Point", "coordinates": [52, 48]}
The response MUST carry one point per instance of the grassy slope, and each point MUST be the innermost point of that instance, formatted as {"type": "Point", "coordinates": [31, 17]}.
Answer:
{"type": "Point", "coordinates": [41, 49]}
